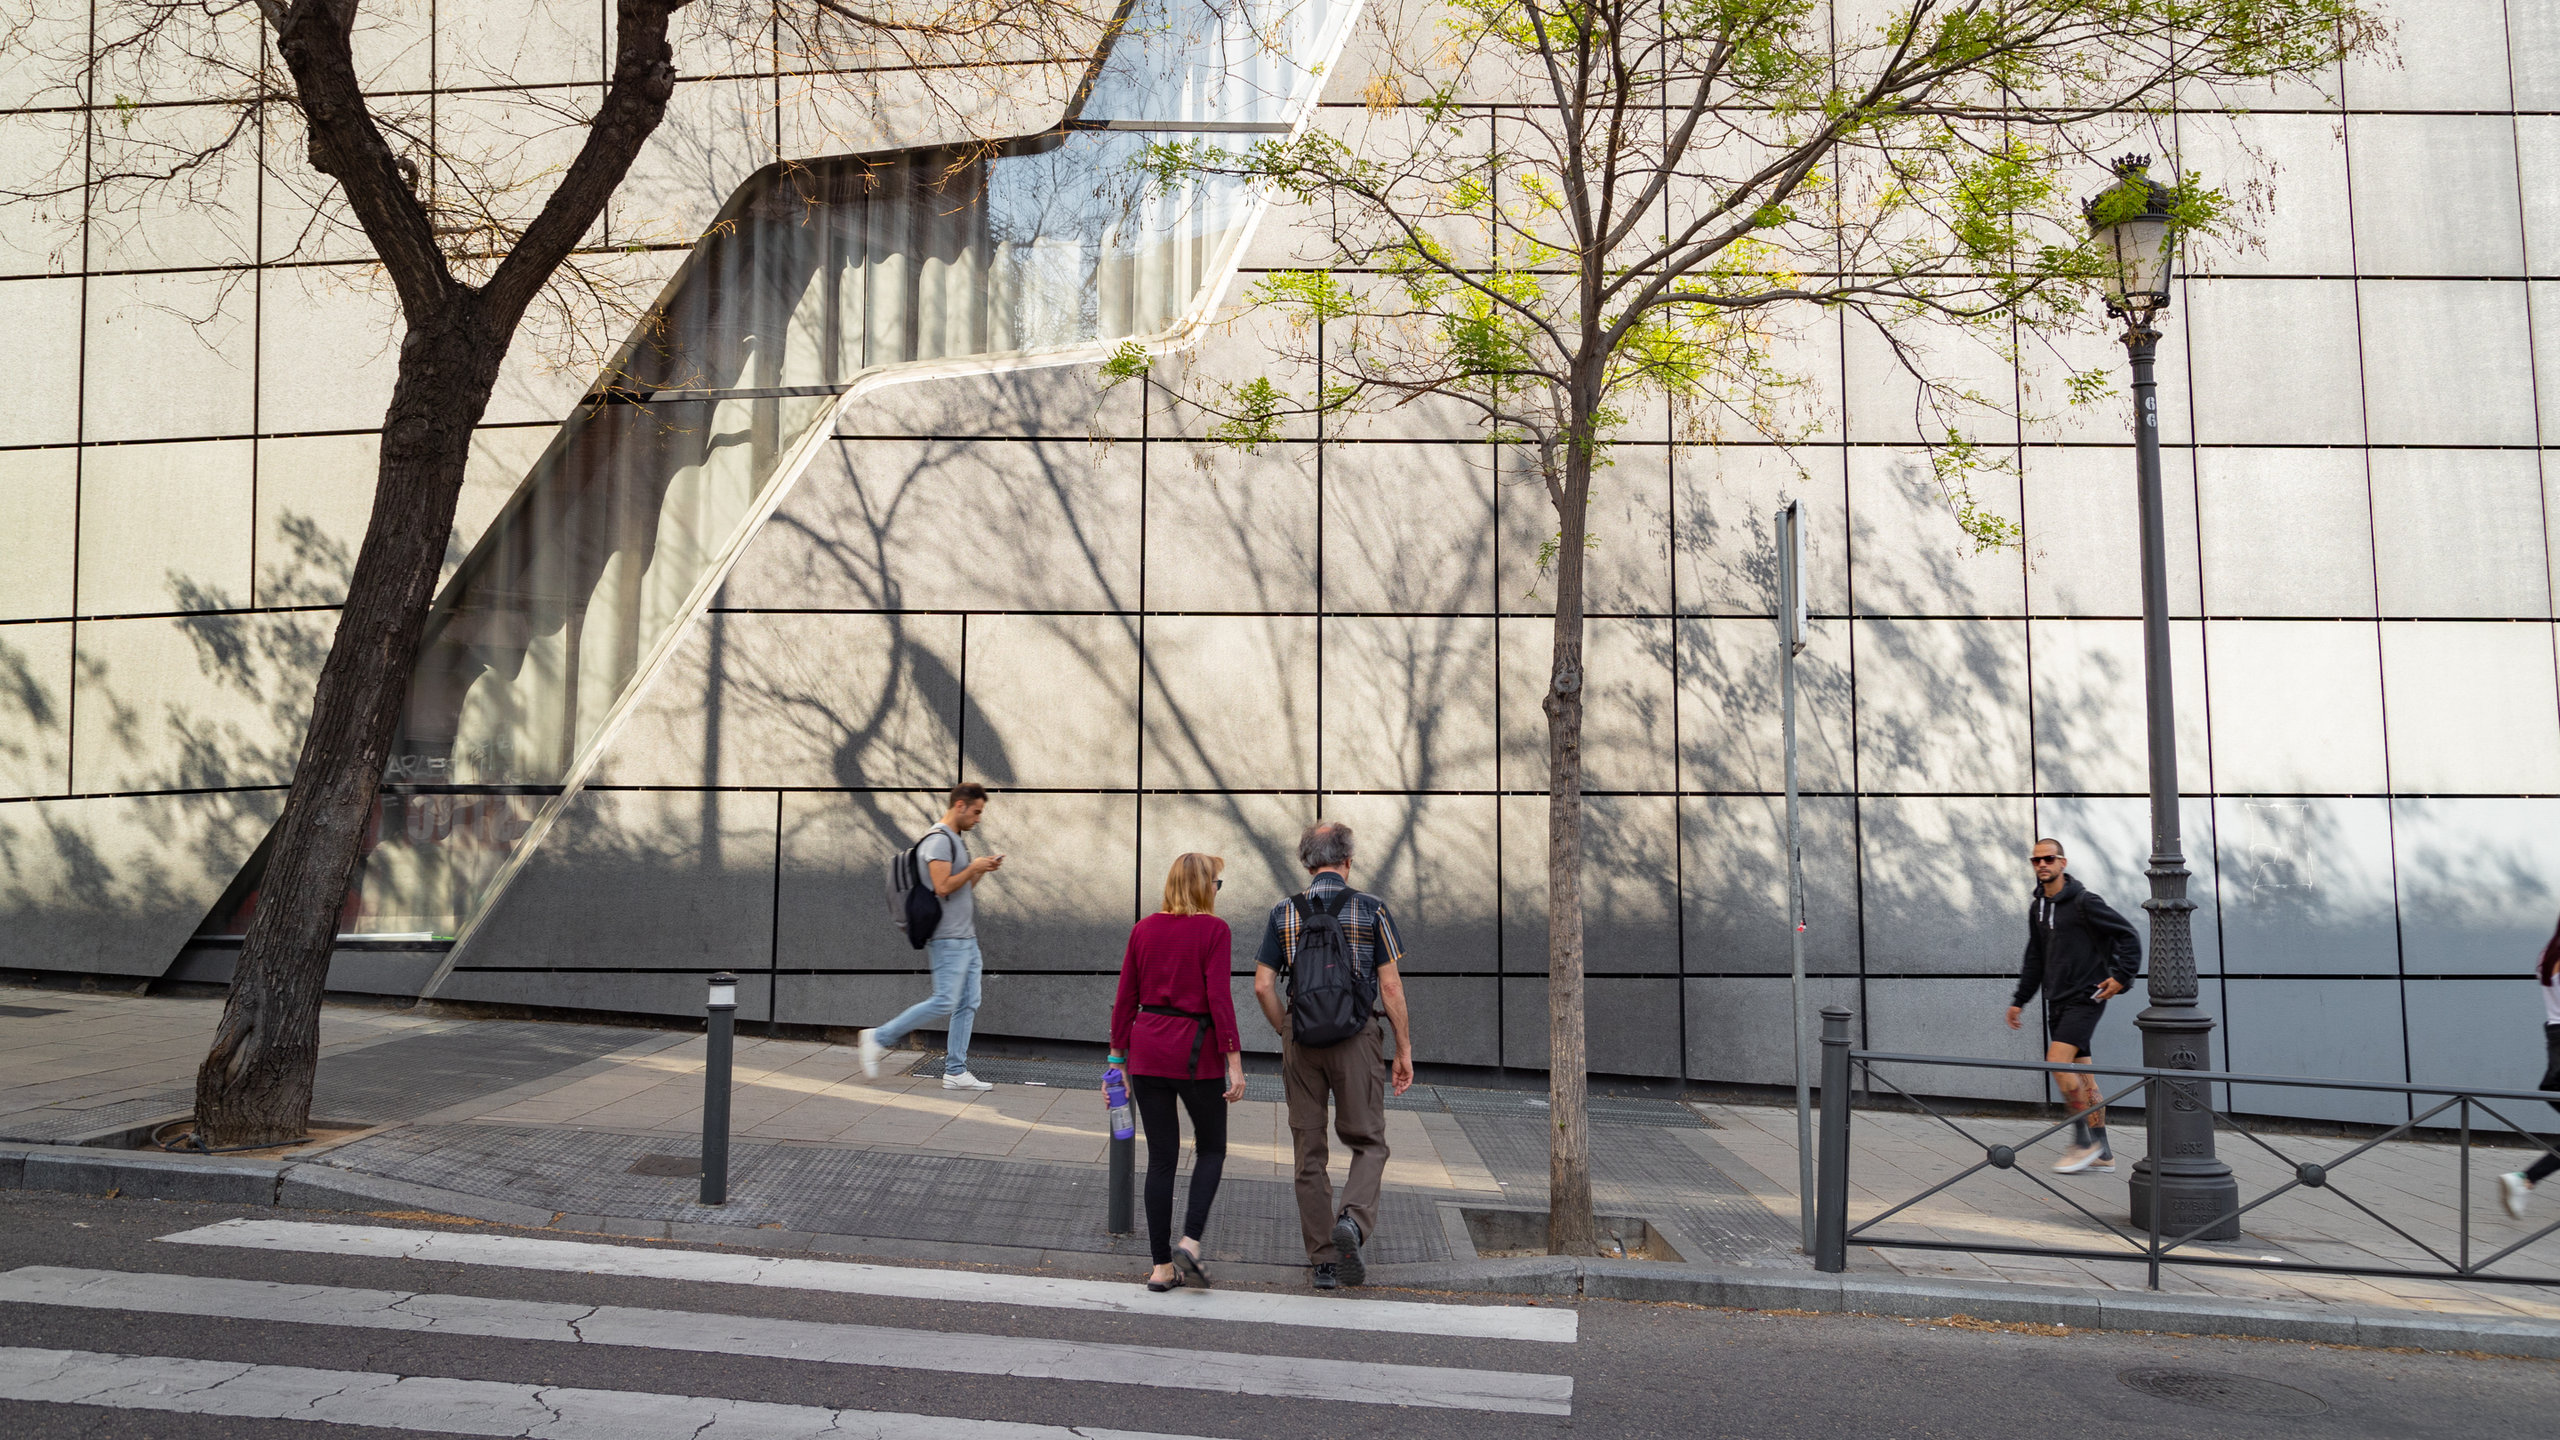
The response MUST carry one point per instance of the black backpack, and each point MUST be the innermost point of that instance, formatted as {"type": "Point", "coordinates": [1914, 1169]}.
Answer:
{"type": "Point", "coordinates": [913, 907]}
{"type": "Point", "coordinates": [1329, 999]}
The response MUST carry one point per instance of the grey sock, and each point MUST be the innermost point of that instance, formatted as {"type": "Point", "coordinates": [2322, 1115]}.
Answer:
{"type": "Point", "coordinates": [2080, 1131]}
{"type": "Point", "coordinates": [2099, 1133]}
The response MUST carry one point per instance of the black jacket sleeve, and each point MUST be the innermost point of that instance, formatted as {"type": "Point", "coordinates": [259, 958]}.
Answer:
{"type": "Point", "coordinates": [2124, 959]}
{"type": "Point", "coordinates": [2031, 969]}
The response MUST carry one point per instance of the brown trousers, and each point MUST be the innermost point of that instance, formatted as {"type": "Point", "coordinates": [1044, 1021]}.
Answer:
{"type": "Point", "coordinates": [1354, 1074]}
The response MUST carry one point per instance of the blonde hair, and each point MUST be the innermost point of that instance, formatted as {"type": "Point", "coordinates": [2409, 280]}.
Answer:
{"type": "Point", "coordinates": [1191, 886]}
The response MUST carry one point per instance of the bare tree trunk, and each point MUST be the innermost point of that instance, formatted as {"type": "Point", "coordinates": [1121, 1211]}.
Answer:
{"type": "Point", "coordinates": [1570, 1227]}
{"type": "Point", "coordinates": [254, 1087]}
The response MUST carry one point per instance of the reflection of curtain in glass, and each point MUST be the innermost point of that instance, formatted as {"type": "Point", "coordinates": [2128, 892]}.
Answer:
{"type": "Point", "coordinates": [1218, 61]}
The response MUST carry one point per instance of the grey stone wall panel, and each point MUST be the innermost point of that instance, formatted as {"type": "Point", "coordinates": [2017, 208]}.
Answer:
{"type": "Point", "coordinates": [1432, 858]}
{"type": "Point", "coordinates": [799, 700]}
{"type": "Point", "coordinates": [35, 710]}
{"type": "Point", "coordinates": [1724, 502]}
{"type": "Point", "coordinates": [38, 543]}
{"type": "Point", "coordinates": [1630, 1026]}
{"type": "Point", "coordinates": [1409, 529]}
{"type": "Point", "coordinates": [1944, 883]}
{"type": "Point", "coordinates": [1734, 883]}
{"type": "Point", "coordinates": [114, 885]}
{"type": "Point", "coordinates": [1738, 1026]}
{"type": "Point", "coordinates": [1629, 918]}
{"type": "Point", "coordinates": [682, 878]}
{"type": "Point", "coordinates": [1409, 703]}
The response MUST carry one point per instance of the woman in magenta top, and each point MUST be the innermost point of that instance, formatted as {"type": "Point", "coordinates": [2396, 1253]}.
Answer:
{"type": "Point", "coordinates": [1174, 1028]}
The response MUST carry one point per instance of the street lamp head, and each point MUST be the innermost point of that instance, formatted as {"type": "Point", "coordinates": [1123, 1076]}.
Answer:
{"type": "Point", "coordinates": [2137, 235]}
{"type": "Point", "coordinates": [724, 991]}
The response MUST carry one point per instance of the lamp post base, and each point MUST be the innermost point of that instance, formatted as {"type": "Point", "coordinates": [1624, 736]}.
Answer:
{"type": "Point", "coordinates": [2196, 1191]}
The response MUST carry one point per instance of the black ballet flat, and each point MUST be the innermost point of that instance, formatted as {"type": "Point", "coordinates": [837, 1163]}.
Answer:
{"type": "Point", "coordinates": [1188, 1267]}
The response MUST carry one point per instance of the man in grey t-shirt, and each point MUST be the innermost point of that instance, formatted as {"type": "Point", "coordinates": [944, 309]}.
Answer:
{"type": "Point", "coordinates": [953, 950]}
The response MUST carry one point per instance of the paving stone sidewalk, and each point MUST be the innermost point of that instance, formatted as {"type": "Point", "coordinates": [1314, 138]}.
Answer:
{"type": "Point", "coordinates": [566, 1118]}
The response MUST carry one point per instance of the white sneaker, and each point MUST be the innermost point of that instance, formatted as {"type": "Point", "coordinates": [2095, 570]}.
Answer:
{"type": "Point", "coordinates": [2077, 1159]}
{"type": "Point", "coordinates": [2512, 1188]}
{"type": "Point", "coordinates": [964, 1081]}
{"type": "Point", "coordinates": [867, 1045]}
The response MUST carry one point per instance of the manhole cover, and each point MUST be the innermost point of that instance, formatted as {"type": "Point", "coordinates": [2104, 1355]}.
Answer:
{"type": "Point", "coordinates": [680, 1166]}
{"type": "Point", "coordinates": [2215, 1390]}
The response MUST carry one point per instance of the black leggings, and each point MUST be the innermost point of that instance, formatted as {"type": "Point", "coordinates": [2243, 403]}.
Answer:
{"type": "Point", "coordinates": [2541, 1170]}
{"type": "Point", "coordinates": [1206, 1100]}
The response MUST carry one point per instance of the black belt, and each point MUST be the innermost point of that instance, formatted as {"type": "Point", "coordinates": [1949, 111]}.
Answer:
{"type": "Point", "coordinates": [1200, 1032]}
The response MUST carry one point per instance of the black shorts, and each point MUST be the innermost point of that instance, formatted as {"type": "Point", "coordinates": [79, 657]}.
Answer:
{"type": "Point", "coordinates": [2074, 1025]}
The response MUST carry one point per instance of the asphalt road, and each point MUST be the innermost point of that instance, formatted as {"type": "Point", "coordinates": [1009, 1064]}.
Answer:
{"type": "Point", "coordinates": [540, 1344]}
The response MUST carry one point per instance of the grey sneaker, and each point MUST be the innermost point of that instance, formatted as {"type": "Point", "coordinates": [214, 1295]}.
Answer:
{"type": "Point", "coordinates": [867, 1048]}
{"type": "Point", "coordinates": [1346, 1239]}
{"type": "Point", "coordinates": [1326, 1279]}
{"type": "Point", "coordinates": [2512, 1188]}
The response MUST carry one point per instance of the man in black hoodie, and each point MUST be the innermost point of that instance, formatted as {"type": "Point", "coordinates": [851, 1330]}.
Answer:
{"type": "Point", "coordinates": [2081, 953]}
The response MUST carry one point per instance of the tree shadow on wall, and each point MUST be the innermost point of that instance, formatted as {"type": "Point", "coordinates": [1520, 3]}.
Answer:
{"type": "Point", "coordinates": [181, 773]}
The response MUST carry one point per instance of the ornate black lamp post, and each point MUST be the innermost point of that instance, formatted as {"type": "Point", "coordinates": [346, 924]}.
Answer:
{"type": "Point", "coordinates": [2135, 226]}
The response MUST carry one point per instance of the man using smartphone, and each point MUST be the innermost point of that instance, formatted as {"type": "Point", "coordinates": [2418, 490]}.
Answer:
{"type": "Point", "coordinates": [2081, 953]}
{"type": "Point", "coordinates": [957, 966]}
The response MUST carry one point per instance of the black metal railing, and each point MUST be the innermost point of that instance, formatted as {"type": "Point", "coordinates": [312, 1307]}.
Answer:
{"type": "Point", "coordinates": [2152, 1245]}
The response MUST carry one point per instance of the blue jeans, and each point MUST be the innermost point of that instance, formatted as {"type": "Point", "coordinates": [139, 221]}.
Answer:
{"type": "Point", "coordinates": [956, 968]}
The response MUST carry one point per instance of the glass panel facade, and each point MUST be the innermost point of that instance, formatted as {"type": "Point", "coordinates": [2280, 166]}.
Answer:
{"type": "Point", "coordinates": [820, 279]}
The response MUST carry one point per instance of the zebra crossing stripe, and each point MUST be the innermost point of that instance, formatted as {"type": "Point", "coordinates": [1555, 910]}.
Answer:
{"type": "Point", "coordinates": [466, 1407]}
{"type": "Point", "coordinates": [1294, 1377]}
{"type": "Point", "coordinates": [1549, 1324]}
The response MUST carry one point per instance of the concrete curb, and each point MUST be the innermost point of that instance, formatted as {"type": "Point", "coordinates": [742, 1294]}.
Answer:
{"type": "Point", "coordinates": [303, 1185]}
{"type": "Point", "coordinates": [1854, 1294]}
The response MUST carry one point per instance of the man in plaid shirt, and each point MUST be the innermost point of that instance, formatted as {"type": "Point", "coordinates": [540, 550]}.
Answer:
{"type": "Point", "coordinates": [1353, 1073]}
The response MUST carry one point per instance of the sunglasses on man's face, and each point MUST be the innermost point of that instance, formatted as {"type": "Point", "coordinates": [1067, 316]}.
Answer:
{"type": "Point", "coordinates": [2044, 859]}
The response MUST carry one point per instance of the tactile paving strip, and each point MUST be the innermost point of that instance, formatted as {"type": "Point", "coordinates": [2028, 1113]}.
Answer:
{"type": "Point", "coordinates": [841, 1191]}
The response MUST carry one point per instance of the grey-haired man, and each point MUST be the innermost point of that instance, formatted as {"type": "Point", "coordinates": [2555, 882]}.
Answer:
{"type": "Point", "coordinates": [1351, 1073]}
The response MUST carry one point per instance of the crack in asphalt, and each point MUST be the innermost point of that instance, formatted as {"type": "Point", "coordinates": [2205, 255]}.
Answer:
{"type": "Point", "coordinates": [542, 1397]}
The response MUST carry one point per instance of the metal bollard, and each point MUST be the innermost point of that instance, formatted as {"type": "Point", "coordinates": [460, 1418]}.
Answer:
{"type": "Point", "coordinates": [1831, 1205]}
{"type": "Point", "coordinates": [1124, 1186]}
{"type": "Point", "coordinates": [723, 1028]}
{"type": "Point", "coordinates": [1124, 1152]}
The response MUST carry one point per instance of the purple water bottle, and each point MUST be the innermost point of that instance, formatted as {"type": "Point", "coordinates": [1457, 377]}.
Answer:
{"type": "Point", "coordinates": [1115, 1094]}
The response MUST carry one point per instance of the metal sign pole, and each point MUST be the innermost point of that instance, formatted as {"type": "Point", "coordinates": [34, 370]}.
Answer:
{"type": "Point", "coordinates": [1792, 621]}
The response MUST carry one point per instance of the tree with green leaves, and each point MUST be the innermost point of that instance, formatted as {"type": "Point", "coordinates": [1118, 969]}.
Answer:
{"type": "Point", "coordinates": [1667, 190]}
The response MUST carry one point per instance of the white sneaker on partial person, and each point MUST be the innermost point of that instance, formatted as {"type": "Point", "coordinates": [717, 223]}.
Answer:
{"type": "Point", "coordinates": [2512, 1188]}
{"type": "Point", "coordinates": [964, 1081]}
{"type": "Point", "coordinates": [2077, 1159]}
{"type": "Point", "coordinates": [867, 1046]}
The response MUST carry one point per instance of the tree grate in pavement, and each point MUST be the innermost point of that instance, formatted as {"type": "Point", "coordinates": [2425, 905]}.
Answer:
{"type": "Point", "coordinates": [378, 1084]}
{"type": "Point", "coordinates": [1643, 1171]}
{"type": "Point", "coordinates": [875, 1194]}
{"type": "Point", "coordinates": [1441, 1099]}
